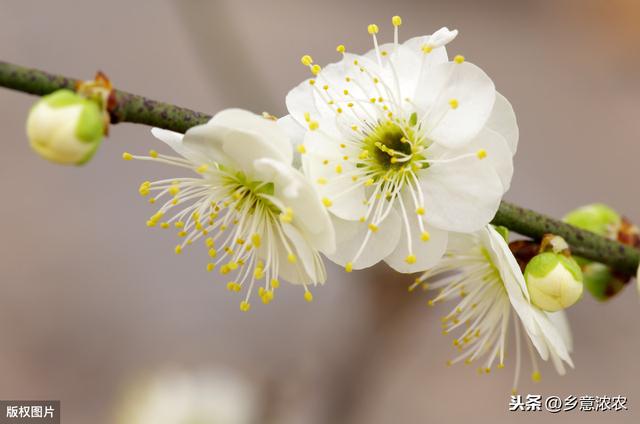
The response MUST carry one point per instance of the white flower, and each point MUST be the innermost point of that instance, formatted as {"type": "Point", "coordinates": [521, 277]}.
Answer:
{"type": "Point", "coordinates": [175, 397]}
{"type": "Point", "coordinates": [480, 271]}
{"type": "Point", "coordinates": [65, 128]}
{"type": "Point", "coordinates": [393, 138]}
{"type": "Point", "coordinates": [259, 218]}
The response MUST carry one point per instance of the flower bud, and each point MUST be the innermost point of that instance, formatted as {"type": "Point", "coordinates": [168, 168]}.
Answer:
{"type": "Point", "coordinates": [65, 128]}
{"type": "Point", "coordinates": [597, 218]}
{"type": "Point", "coordinates": [554, 281]}
{"type": "Point", "coordinates": [601, 281]}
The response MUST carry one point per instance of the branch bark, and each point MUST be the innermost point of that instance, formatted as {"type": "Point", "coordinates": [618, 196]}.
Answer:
{"type": "Point", "coordinates": [141, 110]}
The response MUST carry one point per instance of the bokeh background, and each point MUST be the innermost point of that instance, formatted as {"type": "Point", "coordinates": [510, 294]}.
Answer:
{"type": "Point", "coordinates": [92, 302]}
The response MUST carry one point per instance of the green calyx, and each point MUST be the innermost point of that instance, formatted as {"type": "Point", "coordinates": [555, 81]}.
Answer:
{"type": "Point", "coordinates": [542, 264]}
{"type": "Point", "coordinates": [90, 123]}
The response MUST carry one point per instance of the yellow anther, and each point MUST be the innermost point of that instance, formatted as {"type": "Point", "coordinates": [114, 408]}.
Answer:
{"type": "Point", "coordinates": [396, 21]}
{"type": "Point", "coordinates": [431, 302]}
{"type": "Point", "coordinates": [373, 228]}
{"type": "Point", "coordinates": [209, 242]}
{"type": "Point", "coordinates": [338, 169]}
{"type": "Point", "coordinates": [328, 203]}
{"type": "Point", "coordinates": [292, 258]}
{"type": "Point", "coordinates": [306, 60]}
{"type": "Point", "coordinates": [156, 216]}
{"type": "Point", "coordinates": [410, 259]}
{"type": "Point", "coordinates": [127, 156]}
{"type": "Point", "coordinates": [258, 273]}
{"type": "Point", "coordinates": [308, 296]}
{"type": "Point", "coordinates": [425, 236]}
{"type": "Point", "coordinates": [179, 224]}
{"type": "Point", "coordinates": [245, 306]}
{"type": "Point", "coordinates": [301, 149]}
{"type": "Point", "coordinates": [182, 234]}
{"type": "Point", "coordinates": [346, 92]}
{"type": "Point", "coordinates": [458, 59]}
{"type": "Point", "coordinates": [178, 249]}
{"type": "Point", "coordinates": [275, 283]}
{"type": "Point", "coordinates": [256, 240]}
{"type": "Point", "coordinates": [369, 182]}
{"type": "Point", "coordinates": [420, 211]}
{"type": "Point", "coordinates": [372, 29]}
{"type": "Point", "coordinates": [153, 154]}
{"type": "Point", "coordinates": [210, 267]}
{"type": "Point", "coordinates": [500, 365]}
{"type": "Point", "coordinates": [151, 223]}
{"type": "Point", "coordinates": [341, 48]}
{"type": "Point", "coordinates": [321, 180]}
{"type": "Point", "coordinates": [164, 225]}
{"type": "Point", "coordinates": [231, 286]}
{"type": "Point", "coordinates": [312, 82]}
{"type": "Point", "coordinates": [213, 252]}
{"type": "Point", "coordinates": [314, 125]}
{"type": "Point", "coordinates": [202, 168]}
{"type": "Point", "coordinates": [224, 269]}
{"type": "Point", "coordinates": [339, 110]}
{"type": "Point", "coordinates": [482, 153]}
{"type": "Point", "coordinates": [307, 116]}
{"type": "Point", "coordinates": [315, 69]}
{"type": "Point", "coordinates": [362, 219]}
{"type": "Point", "coordinates": [174, 189]}
{"type": "Point", "coordinates": [427, 48]}
{"type": "Point", "coordinates": [144, 188]}
{"type": "Point", "coordinates": [536, 377]}
{"type": "Point", "coordinates": [453, 103]}
{"type": "Point", "coordinates": [233, 265]}
{"type": "Point", "coordinates": [348, 267]}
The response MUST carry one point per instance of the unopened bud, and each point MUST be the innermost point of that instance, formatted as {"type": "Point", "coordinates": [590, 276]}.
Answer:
{"type": "Point", "coordinates": [65, 128]}
{"type": "Point", "coordinates": [554, 281]}
{"type": "Point", "coordinates": [597, 218]}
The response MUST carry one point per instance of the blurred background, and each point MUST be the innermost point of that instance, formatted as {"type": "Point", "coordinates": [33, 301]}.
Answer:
{"type": "Point", "coordinates": [93, 305]}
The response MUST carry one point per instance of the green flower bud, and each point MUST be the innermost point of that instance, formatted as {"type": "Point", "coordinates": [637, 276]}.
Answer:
{"type": "Point", "coordinates": [554, 281]}
{"type": "Point", "coordinates": [597, 218]}
{"type": "Point", "coordinates": [65, 128]}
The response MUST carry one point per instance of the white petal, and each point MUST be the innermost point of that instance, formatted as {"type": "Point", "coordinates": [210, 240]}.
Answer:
{"type": "Point", "coordinates": [321, 146]}
{"type": "Point", "coordinates": [304, 253]}
{"type": "Point", "coordinates": [301, 100]}
{"type": "Point", "coordinates": [474, 93]}
{"type": "Point", "coordinates": [498, 154]}
{"type": "Point", "coordinates": [561, 323]}
{"type": "Point", "coordinates": [238, 120]}
{"type": "Point", "coordinates": [427, 253]}
{"type": "Point", "coordinates": [199, 153]}
{"type": "Point", "coordinates": [400, 69]}
{"type": "Point", "coordinates": [436, 56]}
{"type": "Point", "coordinates": [461, 196]}
{"type": "Point", "coordinates": [351, 234]}
{"type": "Point", "coordinates": [295, 132]}
{"type": "Point", "coordinates": [295, 191]}
{"type": "Point", "coordinates": [502, 256]}
{"type": "Point", "coordinates": [443, 36]}
{"type": "Point", "coordinates": [503, 121]}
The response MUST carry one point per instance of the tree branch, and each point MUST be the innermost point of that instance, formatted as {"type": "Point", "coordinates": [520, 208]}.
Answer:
{"type": "Point", "coordinates": [128, 107]}
{"type": "Point", "coordinates": [141, 110]}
